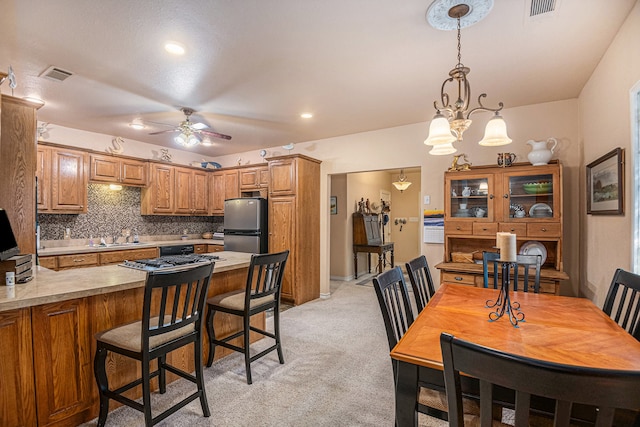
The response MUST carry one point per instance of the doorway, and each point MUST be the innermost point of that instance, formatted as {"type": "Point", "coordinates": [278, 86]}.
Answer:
{"type": "Point", "coordinates": [404, 226]}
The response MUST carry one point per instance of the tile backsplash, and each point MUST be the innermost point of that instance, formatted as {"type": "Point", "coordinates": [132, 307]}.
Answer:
{"type": "Point", "coordinates": [108, 212]}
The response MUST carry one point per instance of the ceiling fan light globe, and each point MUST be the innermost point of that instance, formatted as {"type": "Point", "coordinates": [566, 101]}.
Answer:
{"type": "Point", "coordinates": [192, 141]}
{"type": "Point", "coordinates": [181, 139]}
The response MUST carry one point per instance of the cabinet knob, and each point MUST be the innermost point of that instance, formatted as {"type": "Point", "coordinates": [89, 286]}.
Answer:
{"type": "Point", "coordinates": [78, 260]}
{"type": "Point", "coordinates": [506, 196]}
{"type": "Point", "coordinates": [458, 228]}
{"type": "Point", "coordinates": [484, 229]}
{"type": "Point", "coordinates": [543, 229]}
{"type": "Point", "coordinates": [458, 278]}
{"type": "Point", "coordinates": [491, 196]}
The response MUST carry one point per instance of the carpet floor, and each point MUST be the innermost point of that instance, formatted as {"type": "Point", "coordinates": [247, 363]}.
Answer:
{"type": "Point", "coordinates": [337, 372]}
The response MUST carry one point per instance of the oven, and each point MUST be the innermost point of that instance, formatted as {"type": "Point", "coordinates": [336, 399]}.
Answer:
{"type": "Point", "coordinates": [176, 250]}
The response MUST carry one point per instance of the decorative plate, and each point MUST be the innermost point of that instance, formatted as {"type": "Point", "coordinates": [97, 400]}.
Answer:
{"type": "Point", "coordinates": [533, 247]}
{"type": "Point", "coordinates": [210, 165]}
{"type": "Point", "coordinates": [540, 210]}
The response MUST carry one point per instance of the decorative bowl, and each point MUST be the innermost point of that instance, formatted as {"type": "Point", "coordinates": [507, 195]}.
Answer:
{"type": "Point", "coordinates": [537, 187]}
{"type": "Point", "coordinates": [207, 235]}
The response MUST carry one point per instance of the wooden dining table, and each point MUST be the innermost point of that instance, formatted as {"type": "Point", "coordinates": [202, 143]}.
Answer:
{"type": "Point", "coordinates": [558, 329]}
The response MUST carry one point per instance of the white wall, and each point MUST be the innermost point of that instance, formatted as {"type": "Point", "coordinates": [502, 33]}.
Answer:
{"type": "Point", "coordinates": [606, 124]}
{"type": "Point", "coordinates": [402, 147]}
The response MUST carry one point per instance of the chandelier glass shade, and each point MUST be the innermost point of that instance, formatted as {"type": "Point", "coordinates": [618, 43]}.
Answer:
{"type": "Point", "coordinates": [401, 184]}
{"type": "Point", "coordinates": [452, 119]}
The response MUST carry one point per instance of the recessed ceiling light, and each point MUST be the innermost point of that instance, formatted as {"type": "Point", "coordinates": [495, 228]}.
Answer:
{"type": "Point", "coordinates": [174, 48]}
{"type": "Point", "coordinates": [137, 124]}
{"type": "Point", "coordinates": [306, 115]}
{"type": "Point", "coordinates": [34, 100]}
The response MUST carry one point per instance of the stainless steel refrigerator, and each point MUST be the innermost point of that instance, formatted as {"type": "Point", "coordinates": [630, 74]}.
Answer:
{"type": "Point", "coordinates": [245, 225]}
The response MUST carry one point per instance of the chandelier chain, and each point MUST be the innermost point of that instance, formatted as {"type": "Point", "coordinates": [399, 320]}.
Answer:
{"type": "Point", "coordinates": [459, 46]}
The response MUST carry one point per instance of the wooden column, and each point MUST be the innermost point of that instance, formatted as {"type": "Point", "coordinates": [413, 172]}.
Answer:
{"type": "Point", "coordinates": [18, 157]}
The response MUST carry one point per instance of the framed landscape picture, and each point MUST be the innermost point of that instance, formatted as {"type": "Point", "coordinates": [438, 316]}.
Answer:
{"type": "Point", "coordinates": [605, 184]}
{"type": "Point", "coordinates": [333, 205]}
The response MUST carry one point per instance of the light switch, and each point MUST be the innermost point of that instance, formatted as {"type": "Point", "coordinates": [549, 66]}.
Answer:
{"type": "Point", "coordinates": [427, 200]}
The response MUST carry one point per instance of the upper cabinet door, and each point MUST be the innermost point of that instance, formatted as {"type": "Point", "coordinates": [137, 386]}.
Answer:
{"type": "Point", "coordinates": [471, 196]}
{"type": "Point", "coordinates": [282, 177]}
{"type": "Point", "coordinates": [200, 193]}
{"type": "Point", "coordinates": [105, 168]}
{"type": "Point", "coordinates": [68, 181]}
{"type": "Point", "coordinates": [133, 172]}
{"type": "Point", "coordinates": [183, 191]}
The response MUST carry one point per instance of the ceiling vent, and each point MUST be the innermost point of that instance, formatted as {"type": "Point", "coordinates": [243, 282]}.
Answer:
{"type": "Point", "coordinates": [55, 73]}
{"type": "Point", "coordinates": [539, 7]}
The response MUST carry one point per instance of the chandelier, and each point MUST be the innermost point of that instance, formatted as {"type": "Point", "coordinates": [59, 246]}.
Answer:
{"type": "Point", "coordinates": [401, 184]}
{"type": "Point", "coordinates": [450, 121]}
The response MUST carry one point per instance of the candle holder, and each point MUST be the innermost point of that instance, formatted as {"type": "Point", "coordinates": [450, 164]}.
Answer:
{"type": "Point", "coordinates": [503, 304]}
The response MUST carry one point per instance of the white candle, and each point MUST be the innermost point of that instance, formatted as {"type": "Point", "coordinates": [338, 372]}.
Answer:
{"type": "Point", "coordinates": [508, 248]}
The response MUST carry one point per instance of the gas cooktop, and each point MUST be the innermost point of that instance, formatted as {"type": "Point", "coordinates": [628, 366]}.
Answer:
{"type": "Point", "coordinates": [168, 262]}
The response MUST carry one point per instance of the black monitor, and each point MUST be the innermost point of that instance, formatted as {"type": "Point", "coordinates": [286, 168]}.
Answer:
{"type": "Point", "coordinates": [8, 244]}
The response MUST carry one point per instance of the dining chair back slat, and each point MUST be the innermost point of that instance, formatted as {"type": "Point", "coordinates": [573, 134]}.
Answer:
{"type": "Point", "coordinates": [622, 303]}
{"type": "Point", "coordinates": [524, 273]}
{"type": "Point", "coordinates": [421, 281]}
{"type": "Point", "coordinates": [393, 297]}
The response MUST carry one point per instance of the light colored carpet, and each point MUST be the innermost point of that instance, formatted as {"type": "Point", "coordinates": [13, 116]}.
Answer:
{"type": "Point", "coordinates": [337, 372]}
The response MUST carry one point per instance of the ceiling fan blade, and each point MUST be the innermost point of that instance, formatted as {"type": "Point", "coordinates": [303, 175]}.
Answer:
{"type": "Point", "coordinates": [158, 123]}
{"type": "Point", "coordinates": [215, 134]}
{"type": "Point", "coordinates": [163, 131]}
{"type": "Point", "coordinates": [199, 126]}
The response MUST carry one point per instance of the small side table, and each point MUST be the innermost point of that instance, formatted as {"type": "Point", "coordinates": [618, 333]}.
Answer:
{"type": "Point", "coordinates": [380, 249]}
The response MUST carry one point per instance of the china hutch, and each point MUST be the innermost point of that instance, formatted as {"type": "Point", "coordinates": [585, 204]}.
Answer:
{"type": "Point", "coordinates": [522, 199]}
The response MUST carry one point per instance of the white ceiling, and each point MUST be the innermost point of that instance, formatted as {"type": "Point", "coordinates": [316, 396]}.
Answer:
{"type": "Point", "coordinates": [252, 66]}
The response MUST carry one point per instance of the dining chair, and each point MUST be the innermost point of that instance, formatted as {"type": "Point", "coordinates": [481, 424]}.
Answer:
{"type": "Point", "coordinates": [566, 384]}
{"type": "Point", "coordinates": [526, 269]}
{"type": "Point", "coordinates": [421, 282]}
{"type": "Point", "coordinates": [623, 301]}
{"type": "Point", "coordinates": [171, 318]}
{"type": "Point", "coordinates": [261, 293]}
{"type": "Point", "coordinates": [397, 314]}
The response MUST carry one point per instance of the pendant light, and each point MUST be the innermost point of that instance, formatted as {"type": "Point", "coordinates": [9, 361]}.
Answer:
{"type": "Point", "coordinates": [401, 184]}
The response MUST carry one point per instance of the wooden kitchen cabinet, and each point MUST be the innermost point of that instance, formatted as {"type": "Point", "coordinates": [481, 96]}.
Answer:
{"type": "Point", "coordinates": [92, 259]}
{"type": "Point", "coordinates": [157, 198]}
{"type": "Point", "coordinates": [62, 180]}
{"type": "Point", "coordinates": [254, 181]}
{"type": "Point", "coordinates": [191, 192]}
{"type": "Point", "coordinates": [485, 200]}
{"type": "Point", "coordinates": [294, 224]}
{"type": "Point", "coordinates": [116, 257]}
{"type": "Point", "coordinates": [118, 170]}
{"type": "Point", "coordinates": [17, 399]}
{"type": "Point", "coordinates": [224, 185]}
{"type": "Point", "coordinates": [18, 157]}
{"type": "Point", "coordinates": [62, 361]}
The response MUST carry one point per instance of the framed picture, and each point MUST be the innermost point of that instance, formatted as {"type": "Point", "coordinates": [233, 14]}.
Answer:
{"type": "Point", "coordinates": [333, 205]}
{"type": "Point", "coordinates": [605, 184]}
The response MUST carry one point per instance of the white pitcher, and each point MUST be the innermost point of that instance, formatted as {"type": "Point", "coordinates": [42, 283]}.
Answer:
{"type": "Point", "coordinates": [540, 154]}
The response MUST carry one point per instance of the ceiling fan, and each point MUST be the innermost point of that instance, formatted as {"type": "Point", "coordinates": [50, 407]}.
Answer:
{"type": "Point", "coordinates": [189, 131]}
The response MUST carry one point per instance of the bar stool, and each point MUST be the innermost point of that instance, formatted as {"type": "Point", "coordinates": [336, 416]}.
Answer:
{"type": "Point", "coordinates": [176, 322]}
{"type": "Point", "coordinates": [262, 293]}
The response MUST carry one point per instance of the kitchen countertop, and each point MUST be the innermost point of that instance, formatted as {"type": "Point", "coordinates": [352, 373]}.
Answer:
{"type": "Point", "coordinates": [81, 249]}
{"type": "Point", "coordinates": [53, 286]}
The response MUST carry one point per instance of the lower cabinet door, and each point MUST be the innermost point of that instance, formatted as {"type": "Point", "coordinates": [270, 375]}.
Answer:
{"type": "Point", "coordinates": [17, 393]}
{"type": "Point", "coordinates": [282, 218]}
{"type": "Point", "coordinates": [62, 361]}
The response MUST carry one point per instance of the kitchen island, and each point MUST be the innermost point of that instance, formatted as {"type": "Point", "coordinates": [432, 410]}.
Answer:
{"type": "Point", "coordinates": [47, 327]}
